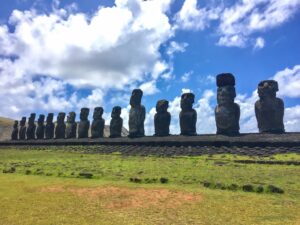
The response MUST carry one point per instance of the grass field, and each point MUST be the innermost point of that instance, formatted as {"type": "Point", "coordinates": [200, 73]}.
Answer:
{"type": "Point", "coordinates": [60, 187]}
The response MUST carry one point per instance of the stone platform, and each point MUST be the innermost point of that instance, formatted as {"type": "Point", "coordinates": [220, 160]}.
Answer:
{"type": "Point", "coordinates": [248, 140]}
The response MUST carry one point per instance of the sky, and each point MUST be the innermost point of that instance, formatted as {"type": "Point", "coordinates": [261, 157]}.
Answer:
{"type": "Point", "coordinates": [64, 55]}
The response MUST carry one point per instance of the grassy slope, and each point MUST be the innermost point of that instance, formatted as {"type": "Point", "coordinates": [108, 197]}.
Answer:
{"type": "Point", "coordinates": [182, 201]}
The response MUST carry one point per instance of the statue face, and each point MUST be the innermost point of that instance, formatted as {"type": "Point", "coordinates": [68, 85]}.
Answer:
{"type": "Point", "coordinates": [98, 112]}
{"type": "Point", "coordinates": [116, 112]}
{"type": "Point", "coordinates": [16, 124]}
{"type": "Point", "coordinates": [50, 118]}
{"type": "Point", "coordinates": [31, 118]}
{"type": "Point", "coordinates": [71, 117]}
{"type": "Point", "coordinates": [187, 101]}
{"type": "Point", "coordinates": [23, 121]}
{"type": "Point", "coordinates": [162, 106]}
{"type": "Point", "coordinates": [41, 119]}
{"type": "Point", "coordinates": [61, 117]}
{"type": "Point", "coordinates": [84, 113]}
{"type": "Point", "coordinates": [226, 95]}
{"type": "Point", "coordinates": [136, 97]}
{"type": "Point", "coordinates": [267, 89]}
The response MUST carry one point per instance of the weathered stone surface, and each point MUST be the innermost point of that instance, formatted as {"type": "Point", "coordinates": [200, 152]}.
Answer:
{"type": "Point", "coordinates": [136, 115]}
{"type": "Point", "coordinates": [227, 112]}
{"type": "Point", "coordinates": [269, 109]}
{"type": "Point", "coordinates": [162, 119]}
{"type": "Point", "coordinates": [40, 130]}
{"type": "Point", "coordinates": [84, 124]}
{"type": "Point", "coordinates": [30, 132]}
{"type": "Point", "coordinates": [60, 129]}
{"type": "Point", "coordinates": [71, 127]}
{"type": "Point", "coordinates": [116, 123]}
{"type": "Point", "coordinates": [187, 116]}
{"type": "Point", "coordinates": [22, 131]}
{"type": "Point", "coordinates": [49, 129]}
{"type": "Point", "coordinates": [14, 133]}
{"type": "Point", "coordinates": [98, 123]}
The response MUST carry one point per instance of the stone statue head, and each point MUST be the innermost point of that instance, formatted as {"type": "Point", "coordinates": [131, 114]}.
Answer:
{"type": "Point", "coordinates": [226, 95]}
{"type": "Point", "coordinates": [187, 101]}
{"type": "Point", "coordinates": [98, 112]}
{"type": "Point", "coordinates": [71, 117]}
{"type": "Point", "coordinates": [41, 119]}
{"type": "Point", "coordinates": [50, 117]}
{"type": "Point", "coordinates": [23, 121]}
{"type": "Point", "coordinates": [84, 113]}
{"type": "Point", "coordinates": [225, 79]}
{"type": "Point", "coordinates": [136, 97]}
{"type": "Point", "coordinates": [267, 89]}
{"type": "Point", "coordinates": [16, 123]}
{"type": "Point", "coordinates": [116, 112]}
{"type": "Point", "coordinates": [61, 117]}
{"type": "Point", "coordinates": [31, 118]}
{"type": "Point", "coordinates": [162, 106]}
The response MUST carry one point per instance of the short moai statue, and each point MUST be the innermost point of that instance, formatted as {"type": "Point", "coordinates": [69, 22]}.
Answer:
{"type": "Point", "coordinates": [162, 119]}
{"type": "Point", "coordinates": [71, 127]}
{"type": "Point", "coordinates": [40, 130]}
{"type": "Point", "coordinates": [15, 131]}
{"type": "Point", "coordinates": [188, 115]}
{"type": "Point", "coordinates": [84, 124]}
{"type": "Point", "coordinates": [49, 129]}
{"type": "Point", "coordinates": [22, 130]}
{"type": "Point", "coordinates": [116, 123]}
{"type": "Point", "coordinates": [269, 109]}
{"type": "Point", "coordinates": [137, 115]}
{"type": "Point", "coordinates": [30, 132]}
{"type": "Point", "coordinates": [60, 129]}
{"type": "Point", "coordinates": [98, 123]}
{"type": "Point", "coordinates": [227, 112]}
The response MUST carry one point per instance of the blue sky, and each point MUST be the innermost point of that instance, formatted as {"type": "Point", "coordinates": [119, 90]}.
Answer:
{"type": "Point", "coordinates": [64, 55]}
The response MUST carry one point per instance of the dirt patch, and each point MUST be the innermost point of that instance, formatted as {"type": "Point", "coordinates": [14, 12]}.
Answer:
{"type": "Point", "coordinates": [124, 198]}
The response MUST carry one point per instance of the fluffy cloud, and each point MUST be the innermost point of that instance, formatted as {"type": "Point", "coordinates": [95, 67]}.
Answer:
{"type": "Point", "coordinates": [84, 51]}
{"type": "Point", "coordinates": [246, 17]}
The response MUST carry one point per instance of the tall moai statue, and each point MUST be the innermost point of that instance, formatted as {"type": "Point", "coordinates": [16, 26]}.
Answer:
{"type": "Point", "coordinates": [30, 132]}
{"type": "Point", "coordinates": [49, 129]}
{"type": "Point", "coordinates": [269, 109]}
{"type": "Point", "coordinates": [84, 124]}
{"type": "Point", "coordinates": [60, 129]}
{"type": "Point", "coordinates": [137, 115]}
{"type": "Point", "coordinates": [116, 123]}
{"type": "Point", "coordinates": [22, 130]}
{"type": "Point", "coordinates": [71, 127]}
{"type": "Point", "coordinates": [188, 115]}
{"type": "Point", "coordinates": [15, 131]}
{"type": "Point", "coordinates": [40, 130]}
{"type": "Point", "coordinates": [162, 119]}
{"type": "Point", "coordinates": [98, 123]}
{"type": "Point", "coordinates": [227, 112]}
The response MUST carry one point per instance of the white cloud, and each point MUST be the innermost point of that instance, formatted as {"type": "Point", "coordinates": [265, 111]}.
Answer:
{"type": "Point", "coordinates": [289, 82]}
{"type": "Point", "coordinates": [259, 43]}
{"type": "Point", "coordinates": [72, 48]}
{"type": "Point", "coordinates": [149, 88]}
{"type": "Point", "coordinates": [245, 18]}
{"type": "Point", "coordinates": [186, 76]}
{"type": "Point", "coordinates": [190, 17]}
{"type": "Point", "coordinates": [176, 47]}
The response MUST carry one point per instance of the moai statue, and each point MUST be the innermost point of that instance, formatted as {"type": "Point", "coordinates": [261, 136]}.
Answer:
{"type": "Point", "coordinates": [14, 133]}
{"type": "Point", "coordinates": [269, 109]}
{"type": "Point", "coordinates": [60, 129]}
{"type": "Point", "coordinates": [84, 124]}
{"type": "Point", "coordinates": [116, 123]}
{"type": "Point", "coordinates": [98, 123]}
{"type": "Point", "coordinates": [40, 130]}
{"type": "Point", "coordinates": [49, 130]}
{"type": "Point", "coordinates": [71, 127]}
{"type": "Point", "coordinates": [137, 115]}
{"type": "Point", "coordinates": [227, 112]}
{"type": "Point", "coordinates": [22, 131]}
{"type": "Point", "coordinates": [187, 116]}
{"type": "Point", "coordinates": [30, 132]}
{"type": "Point", "coordinates": [162, 119]}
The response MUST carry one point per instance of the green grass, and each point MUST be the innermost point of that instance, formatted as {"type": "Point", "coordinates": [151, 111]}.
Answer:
{"type": "Point", "coordinates": [71, 199]}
